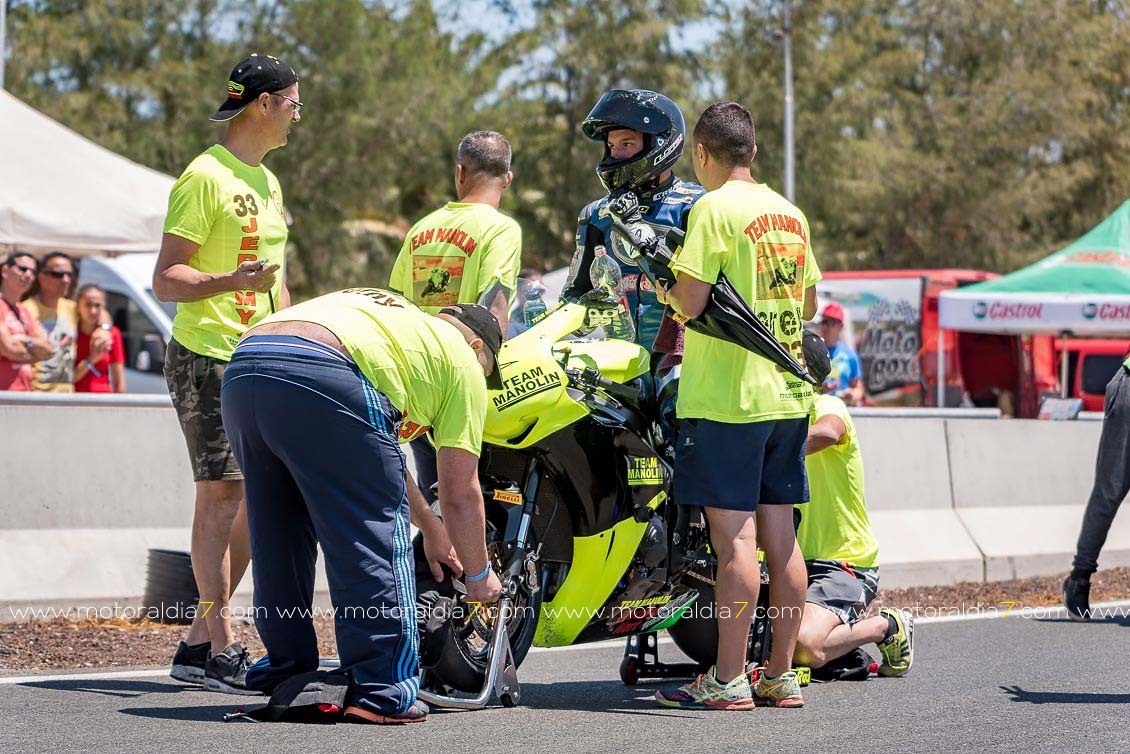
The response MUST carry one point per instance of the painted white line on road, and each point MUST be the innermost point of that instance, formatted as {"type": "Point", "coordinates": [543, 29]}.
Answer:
{"type": "Point", "coordinates": [1032, 611]}
{"type": "Point", "coordinates": [1047, 611]}
{"type": "Point", "coordinates": [11, 680]}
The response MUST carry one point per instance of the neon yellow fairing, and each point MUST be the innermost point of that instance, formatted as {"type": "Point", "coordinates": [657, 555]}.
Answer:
{"type": "Point", "coordinates": [598, 563]}
{"type": "Point", "coordinates": [618, 360]}
{"type": "Point", "coordinates": [533, 402]}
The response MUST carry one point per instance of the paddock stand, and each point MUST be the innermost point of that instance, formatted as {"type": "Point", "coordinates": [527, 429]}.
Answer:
{"type": "Point", "coordinates": [641, 662]}
{"type": "Point", "coordinates": [502, 674]}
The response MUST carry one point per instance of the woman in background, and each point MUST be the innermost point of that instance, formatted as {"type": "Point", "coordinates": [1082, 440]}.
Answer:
{"type": "Point", "coordinates": [99, 367]}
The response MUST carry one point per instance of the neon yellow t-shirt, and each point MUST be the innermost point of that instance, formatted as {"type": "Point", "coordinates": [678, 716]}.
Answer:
{"type": "Point", "coordinates": [456, 254]}
{"type": "Point", "coordinates": [235, 212]}
{"type": "Point", "coordinates": [760, 241]}
{"type": "Point", "coordinates": [422, 363]}
{"type": "Point", "coordinates": [834, 523]}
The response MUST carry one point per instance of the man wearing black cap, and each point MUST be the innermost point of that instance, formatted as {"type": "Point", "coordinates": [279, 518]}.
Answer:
{"type": "Point", "coordinates": [222, 260]}
{"type": "Point", "coordinates": [358, 372]}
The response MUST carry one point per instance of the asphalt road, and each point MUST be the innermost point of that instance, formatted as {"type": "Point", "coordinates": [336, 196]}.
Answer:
{"type": "Point", "coordinates": [1011, 684]}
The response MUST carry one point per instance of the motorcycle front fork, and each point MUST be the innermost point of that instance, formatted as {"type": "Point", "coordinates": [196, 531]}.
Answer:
{"type": "Point", "coordinates": [502, 673]}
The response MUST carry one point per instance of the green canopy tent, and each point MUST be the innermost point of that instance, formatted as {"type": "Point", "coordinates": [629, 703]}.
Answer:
{"type": "Point", "coordinates": [1083, 289]}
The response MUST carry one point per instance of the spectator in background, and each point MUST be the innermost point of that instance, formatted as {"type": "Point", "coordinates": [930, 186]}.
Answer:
{"type": "Point", "coordinates": [22, 339]}
{"type": "Point", "coordinates": [49, 304]}
{"type": "Point", "coordinates": [526, 277]}
{"type": "Point", "coordinates": [100, 362]}
{"type": "Point", "coordinates": [846, 378]}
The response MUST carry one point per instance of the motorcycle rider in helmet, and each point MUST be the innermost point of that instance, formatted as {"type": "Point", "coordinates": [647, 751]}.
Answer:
{"type": "Point", "coordinates": [643, 134]}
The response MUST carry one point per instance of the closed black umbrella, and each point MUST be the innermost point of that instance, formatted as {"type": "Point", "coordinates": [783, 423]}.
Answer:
{"type": "Point", "coordinates": [727, 316]}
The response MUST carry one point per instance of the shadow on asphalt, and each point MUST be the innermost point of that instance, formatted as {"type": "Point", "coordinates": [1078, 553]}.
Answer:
{"type": "Point", "coordinates": [597, 696]}
{"type": "Point", "coordinates": [204, 713]}
{"type": "Point", "coordinates": [109, 687]}
{"type": "Point", "coordinates": [1061, 697]}
{"type": "Point", "coordinates": [1118, 620]}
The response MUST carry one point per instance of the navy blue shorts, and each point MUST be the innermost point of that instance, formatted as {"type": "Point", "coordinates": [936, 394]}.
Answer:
{"type": "Point", "coordinates": [741, 466]}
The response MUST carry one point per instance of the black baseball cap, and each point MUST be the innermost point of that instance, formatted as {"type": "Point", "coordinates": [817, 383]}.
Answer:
{"type": "Point", "coordinates": [484, 324]}
{"type": "Point", "coordinates": [251, 77]}
{"type": "Point", "coordinates": [816, 357]}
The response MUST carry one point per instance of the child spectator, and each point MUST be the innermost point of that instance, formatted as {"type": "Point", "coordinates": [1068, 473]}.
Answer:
{"type": "Point", "coordinates": [99, 362]}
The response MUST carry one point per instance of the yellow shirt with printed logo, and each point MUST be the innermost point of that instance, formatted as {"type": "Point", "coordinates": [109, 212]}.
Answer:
{"type": "Point", "coordinates": [834, 524]}
{"type": "Point", "coordinates": [456, 254]}
{"type": "Point", "coordinates": [422, 363]}
{"type": "Point", "coordinates": [235, 213]}
{"type": "Point", "coordinates": [760, 241]}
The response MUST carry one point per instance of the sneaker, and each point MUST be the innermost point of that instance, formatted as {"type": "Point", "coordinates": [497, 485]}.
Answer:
{"type": "Point", "coordinates": [898, 648]}
{"type": "Point", "coordinates": [188, 662]}
{"type": "Point", "coordinates": [227, 672]}
{"type": "Point", "coordinates": [782, 691]}
{"type": "Point", "coordinates": [705, 692]}
{"type": "Point", "coordinates": [417, 713]}
{"type": "Point", "coordinates": [1077, 599]}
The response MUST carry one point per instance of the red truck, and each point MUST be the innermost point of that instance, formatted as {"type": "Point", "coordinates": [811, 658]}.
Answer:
{"type": "Point", "coordinates": [894, 326]}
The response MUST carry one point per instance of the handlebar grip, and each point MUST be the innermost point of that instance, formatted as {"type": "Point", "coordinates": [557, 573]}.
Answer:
{"type": "Point", "coordinates": [616, 390]}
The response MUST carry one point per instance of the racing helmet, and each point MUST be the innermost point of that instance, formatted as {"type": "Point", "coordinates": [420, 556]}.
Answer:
{"type": "Point", "coordinates": [653, 115]}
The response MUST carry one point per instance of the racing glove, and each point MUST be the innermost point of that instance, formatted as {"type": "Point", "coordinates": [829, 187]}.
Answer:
{"type": "Point", "coordinates": [628, 223]}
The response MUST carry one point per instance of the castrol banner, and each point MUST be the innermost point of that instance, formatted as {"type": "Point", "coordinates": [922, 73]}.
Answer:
{"type": "Point", "coordinates": [1033, 313]}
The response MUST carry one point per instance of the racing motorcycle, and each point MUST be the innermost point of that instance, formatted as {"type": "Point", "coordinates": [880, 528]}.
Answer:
{"type": "Point", "coordinates": [576, 470]}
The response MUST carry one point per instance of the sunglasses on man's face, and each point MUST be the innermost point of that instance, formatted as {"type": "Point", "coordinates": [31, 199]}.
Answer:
{"type": "Point", "coordinates": [59, 274]}
{"type": "Point", "coordinates": [21, 268]}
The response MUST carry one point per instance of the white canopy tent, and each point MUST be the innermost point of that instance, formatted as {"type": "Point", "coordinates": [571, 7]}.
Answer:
{"type": "Point", "coordinates": [59, 190]}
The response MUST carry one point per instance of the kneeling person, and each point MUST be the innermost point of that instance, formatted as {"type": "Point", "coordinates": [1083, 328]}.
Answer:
{"type": "Point", "coordinates": [841, 554]}
{"type": "Point", "coordinates": [315, 401]}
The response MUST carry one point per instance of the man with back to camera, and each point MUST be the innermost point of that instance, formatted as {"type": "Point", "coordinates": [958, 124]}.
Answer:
{"type": "Point", "coordinates": [359, 371]}
{"type": "Point", "coordinates": [465, 252]}
{"type": "Point", "coordinates": [222, 260]}
{"type": "Point", "coordinates": [740, 411]}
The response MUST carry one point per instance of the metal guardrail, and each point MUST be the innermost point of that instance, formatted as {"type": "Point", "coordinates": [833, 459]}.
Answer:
{"type": "Point", "coordinates": [150, 400]}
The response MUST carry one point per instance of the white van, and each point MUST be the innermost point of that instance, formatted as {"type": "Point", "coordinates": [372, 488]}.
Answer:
{"type": "Point", "coordinates": [145, 322]}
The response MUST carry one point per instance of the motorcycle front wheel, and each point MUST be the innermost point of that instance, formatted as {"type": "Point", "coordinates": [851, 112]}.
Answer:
{"type": "Point", "coordinates": [454, 650]}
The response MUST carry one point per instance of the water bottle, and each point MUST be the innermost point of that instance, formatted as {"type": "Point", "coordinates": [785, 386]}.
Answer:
{"type": "Point", "coordinates": [605, 275]}
{"type": "Point", "coordinates": [534, 308]}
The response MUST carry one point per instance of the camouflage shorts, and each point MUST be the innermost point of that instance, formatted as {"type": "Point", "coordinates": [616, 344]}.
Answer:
{"type": "Point", "coordinates": [194, 385]}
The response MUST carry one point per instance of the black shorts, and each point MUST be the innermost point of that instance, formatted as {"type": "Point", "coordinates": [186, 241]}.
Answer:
{"type": "Point", "coordinates": [842, 588]}
{"type": "Point", "coordinates": [741, 466]}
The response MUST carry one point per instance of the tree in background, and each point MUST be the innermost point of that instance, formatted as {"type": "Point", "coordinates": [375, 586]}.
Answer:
{"type": "Point", "coordinates": [574, 52]}
{"type": "Point", "coordinates": [937, 134]}
{"type": "Point", "coordinates": [928, 133]}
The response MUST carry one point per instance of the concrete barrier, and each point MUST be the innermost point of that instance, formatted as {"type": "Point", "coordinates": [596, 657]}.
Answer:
{"type": "Point", "coordinates": [87, 488]}
{"type": "Point", "coordinates": [907, 486]}
{"type": "Point", "coordinates": [1020, 487]}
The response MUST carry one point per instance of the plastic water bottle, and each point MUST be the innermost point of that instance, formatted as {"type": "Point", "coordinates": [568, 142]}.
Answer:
{"type": "Point", "coordinates": [605, 275]}
{"type": "Point", "coordinates": [534, 308]}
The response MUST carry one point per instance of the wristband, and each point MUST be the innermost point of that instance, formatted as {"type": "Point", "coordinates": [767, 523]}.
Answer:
{"type": "Point", "coordinates": [480, 576]}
